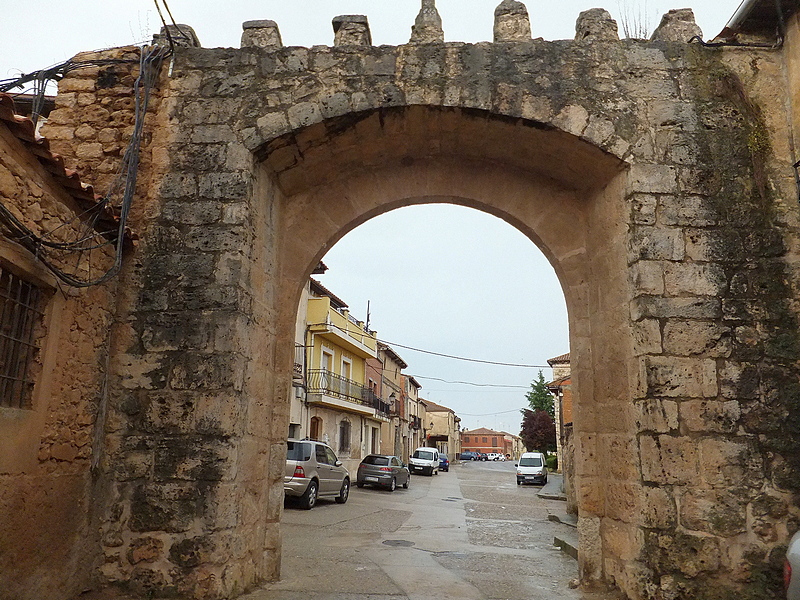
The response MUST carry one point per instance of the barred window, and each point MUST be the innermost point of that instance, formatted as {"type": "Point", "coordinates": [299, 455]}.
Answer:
{"type": "Point", "coordinates": [20, 317]}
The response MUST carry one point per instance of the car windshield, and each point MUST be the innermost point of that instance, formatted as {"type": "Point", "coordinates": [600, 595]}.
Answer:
{"type": "Point", "coordinates": [376, 460]}
{"type": "Point", "coordinates": [298, 451]}
{"type": "Point", "coordinates": [423, 454]}
{"type": "Point", "coordinates": [443, 457]}
{"type": "Point", "coordinates": [530, 461]}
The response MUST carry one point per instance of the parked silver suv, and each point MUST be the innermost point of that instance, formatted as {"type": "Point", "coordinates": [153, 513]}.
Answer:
{"type": "Point", "coordinates": [312, 472]}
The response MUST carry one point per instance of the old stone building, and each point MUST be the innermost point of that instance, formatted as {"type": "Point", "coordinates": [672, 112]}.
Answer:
{"type": "Point", "coordinates": [656, 175]}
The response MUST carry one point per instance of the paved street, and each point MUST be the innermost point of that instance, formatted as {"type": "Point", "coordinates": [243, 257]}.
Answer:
{"type": "Point", "coordinates": [469, 534]}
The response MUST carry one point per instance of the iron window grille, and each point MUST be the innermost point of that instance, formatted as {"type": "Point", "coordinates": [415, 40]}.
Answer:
{"type": "Point", "coordinates": [20, 317]}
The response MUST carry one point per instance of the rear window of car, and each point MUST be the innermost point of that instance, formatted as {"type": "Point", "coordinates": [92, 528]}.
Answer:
{"type": "Point", "coordinates": [298, 451]}
{"type": "Point", "coordinates": [530, 461]}
{"type": "Point", "coordinates": [376, 460]}
{"type": "Point", "coordinates": [423, 454]}
{"type": "Point", "coordinates": [443, 457]}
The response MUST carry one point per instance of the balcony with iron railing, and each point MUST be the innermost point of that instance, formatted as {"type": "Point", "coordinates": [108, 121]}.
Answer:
{"type": "Point", "coordinates": [415, 423]}
{"type": "Point", "coordinates": [346, 393]}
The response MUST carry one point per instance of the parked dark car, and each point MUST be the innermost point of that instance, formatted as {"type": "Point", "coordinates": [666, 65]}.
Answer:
{"type": "Point", "coordinates": [444, 462]}
{"type": "Point", "coordinates": [468, 455]}
{"type": "Point", "coordinates": [482, 456]}
{"type": "Point", "coordinates": [382, 470]}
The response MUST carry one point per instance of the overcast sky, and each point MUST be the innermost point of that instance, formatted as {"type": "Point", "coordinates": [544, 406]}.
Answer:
{"type": "Point", "coordinates": [451, 280]}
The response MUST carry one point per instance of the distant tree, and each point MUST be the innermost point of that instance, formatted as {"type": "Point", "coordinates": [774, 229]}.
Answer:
{"type": "Point", "coordinates": [538, 431]}
{"type": "Point", "coordinates": [540, 398]}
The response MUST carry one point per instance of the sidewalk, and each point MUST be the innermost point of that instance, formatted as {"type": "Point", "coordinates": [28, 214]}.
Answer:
{"type": "Point", "coordinates": [567, 537]}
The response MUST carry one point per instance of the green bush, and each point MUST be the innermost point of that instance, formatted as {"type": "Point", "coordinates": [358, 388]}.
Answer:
{"type": "Point", "coordinates": [552, 462]}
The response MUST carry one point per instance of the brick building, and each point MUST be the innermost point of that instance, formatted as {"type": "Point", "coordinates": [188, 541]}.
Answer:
{"type": "Point", "coordinates": [486, 440]}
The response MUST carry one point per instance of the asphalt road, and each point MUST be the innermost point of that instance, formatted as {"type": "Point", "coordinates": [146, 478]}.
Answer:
{"type": "Point", "coordinates": [470, 534]}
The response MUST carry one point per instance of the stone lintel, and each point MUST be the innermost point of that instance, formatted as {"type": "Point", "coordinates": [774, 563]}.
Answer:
{"type": "Point", "coordinates": [182, 35]}
{"type": "Point", "coordinates": [427, 28]}
{"type": "Point", "coordinates": [678, 25]}
{"type": "Point", "coordinates": [351, 30]}
{"type": "Point", "coordinates": [511, 22]}
{"type": "Point", "coordinates": [595, 24]}
{"type": "Point", "coordinates": [261, 34]}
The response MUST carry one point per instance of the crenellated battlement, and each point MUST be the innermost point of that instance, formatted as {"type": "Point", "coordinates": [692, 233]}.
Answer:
{"type": "Point", "coordinates": [511, 24]}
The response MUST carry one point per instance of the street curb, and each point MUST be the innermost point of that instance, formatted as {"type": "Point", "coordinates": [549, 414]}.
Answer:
{"type": "Point", "coordinates": [566, 546]}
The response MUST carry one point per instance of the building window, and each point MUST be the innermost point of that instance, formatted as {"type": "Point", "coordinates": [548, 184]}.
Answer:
{"type": "Point", "coordinates": [485, 440]}
{"type": "Point", "coordinates": [344, 437]}
{"type": "Point", "coordinates": [466, 438]}
{"type": "Point", "coordinates": [20, 317]}
{"type": "Point", "coordinates": [494, 442]}
{"type": "Point", "coordinates": [294, 431]}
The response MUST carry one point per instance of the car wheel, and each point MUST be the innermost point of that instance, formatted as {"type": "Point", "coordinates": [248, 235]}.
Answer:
{"type": "Point", "coordinates": [519, 482]}
{"type": "Point", "coordinates": [408, 480]}
{"type": "Point", "coordinates": [545, 480]}
{"type": "Point", "coordinates": [344, 493]}
{"type": "Point", "coordinates": [393, 485]}
{"type": "Point", "coordinates": [309, 499]}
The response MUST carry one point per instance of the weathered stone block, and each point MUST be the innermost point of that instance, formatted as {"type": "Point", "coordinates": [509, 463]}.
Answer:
{"type": "Point", "coordinates": [229, 186]}
{"type": "Point", "coordinates": [653, 179]}
{"type": "Point", "coordinates": [729, 462]}
{"type": "Point", "coordinates": [261, 34]}
{"type": "Point", "coordinates": [658, 508]}
{"type": "Point", "coordinates": [648, 277]}
{"type": "Point", "coordinates": [710, 415]}
{"type": "Point", "coordinates": [719, 512]}
{"type": "Point", "coordinates": [668, 459]}
{"type": "Point", "coordinates": [681, 279]}
{"type": "Point", "coordinates": [170, 507]}
{"type": "Point", "coordinates": [688, 338]}
{"type": "Point", "coordinates": [194, 459]}
{"type": "Point", "coordinates": [679, 308]}
{"type": "Point", "coordinates": [656, 243]}
{"type": "Point", "coordinates": [647, 337]}
{"type": "Point", "coordinates": [681, 377]}
{"type": "Point", "coordinates": [511, 22]}
{"type": "Point", "coordinates": [659, 416]}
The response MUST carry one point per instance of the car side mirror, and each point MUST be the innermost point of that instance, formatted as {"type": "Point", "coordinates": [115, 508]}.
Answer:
{"type": "Point", "coordinates": [516, 465]}
{"type": "Point", "coordinates": [338, 463]}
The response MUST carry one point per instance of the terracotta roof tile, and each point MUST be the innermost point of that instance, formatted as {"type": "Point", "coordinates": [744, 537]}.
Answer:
{"type": "Point", "coordinates": [25, 131]}
{"type": "Point", "coordinates": [564, 358]}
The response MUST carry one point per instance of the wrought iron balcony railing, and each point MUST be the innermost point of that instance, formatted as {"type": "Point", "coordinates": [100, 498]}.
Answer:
{"type": "Point", "coordinates": [299, 361]}
{"type": "Point", "coordinates": [321, 381]}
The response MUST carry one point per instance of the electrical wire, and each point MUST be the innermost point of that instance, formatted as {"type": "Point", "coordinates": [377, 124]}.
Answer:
{"type": "Point", "coordinates": [150, 61]}
{"type": "Point", "coordinates": [475, 360]}
{"type": "Point", "coordinates": [490, 385]}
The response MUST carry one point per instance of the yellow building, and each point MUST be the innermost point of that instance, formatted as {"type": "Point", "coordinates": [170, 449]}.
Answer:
{"type": "Point", "coordinates": [334, 401]}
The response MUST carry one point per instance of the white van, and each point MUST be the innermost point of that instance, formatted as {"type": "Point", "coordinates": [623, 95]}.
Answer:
{"type": "Point", "coordinates": [425, 461]}
{"type": "Point", "coordinates": [531, 468]}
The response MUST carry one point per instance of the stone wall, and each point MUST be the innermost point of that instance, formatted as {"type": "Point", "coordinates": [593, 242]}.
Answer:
{"type": "Point", "coordinates": [654, 175]}
{"type": "Point", "coordinates": [48, 548]}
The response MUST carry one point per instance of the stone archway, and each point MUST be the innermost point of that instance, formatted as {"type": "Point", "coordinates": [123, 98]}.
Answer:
{"type": "Point", "coordinates": [577, 221]}
{"type": "Point", "coordinates": [631, 164]}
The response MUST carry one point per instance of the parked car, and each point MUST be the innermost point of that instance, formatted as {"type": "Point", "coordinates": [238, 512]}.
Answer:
{"type": "Point", "coordinates": [313, 472]}
{"type": "Point", "coordinates": [468, 455]}
{"type": "Point", "coordinates": [482, 456]}
{"type": "Point", "coordinates": [444, 462]}
{"type": "Point", "coordinates": [531, 468]}
{"type": "Point", "coordinates": [424, 460]}
{"type": "Point", "coordinates": [495, 456]}
{"type": "Point", "coordinates": [382, 470]}
{"type": "Point", "coordinates": [791, 565]}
